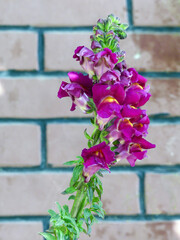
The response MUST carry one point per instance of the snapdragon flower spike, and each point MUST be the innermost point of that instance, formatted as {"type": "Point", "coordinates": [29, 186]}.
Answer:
{"type": "Point", "coordinates": [108, 100]}
{"type": "Point", "coordinates": [80, 89]}
{"type": "Point", "coordinates": [95, 158]}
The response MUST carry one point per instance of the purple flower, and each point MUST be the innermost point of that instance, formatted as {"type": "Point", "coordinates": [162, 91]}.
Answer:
{"type": "Point", "coordinates": [121, 129]}
{"type": "Point", "coordinates": [128, 76]}
{"type": "Point", "coordinates": [141, 80]}
{"type": "Point", "coordinates": [104, 61]}
{"type": "Point", "coordinates": [136, 95]}
{"type": "Point", "coordinates": [86, 58]}
{"type": "Point", "coordinates": [140, 124]}
{"type": "Point", "coordinates": [108, 100]}
{"type": "Point", "coordinates": [110, 77]}
{"type": "Point", "coordinates": [80, 89]}
{"type": "Point", "coordinates": [121, 66]}
{"type": "Point", "coordinates": [98, 63]}
{"type": "Point", "coordinates": [95, 45]}
{"type": "Point", "coordinates": [96, 158]}
{"type": "Point", "coordinates": [130, 111]}
{"type": "Point", "coordinates": [134, 150]}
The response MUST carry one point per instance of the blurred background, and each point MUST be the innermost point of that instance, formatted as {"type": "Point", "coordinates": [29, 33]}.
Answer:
{"type": "Point", "coordinates": [38, 132]}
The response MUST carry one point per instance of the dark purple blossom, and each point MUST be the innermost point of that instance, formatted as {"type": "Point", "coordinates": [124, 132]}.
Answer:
{"type": "Point", "coordinates": [134, 150]}
{"type": "Point", "coordinates": [108, 100]}
{"type": "Point", "coordinates": [121, 129]}
{"type": "Point", "coordinates": [104, 61]}
{"type": "Point", "coordinates": [137, 96]}
{"type": "Point", "coordinates": [110, 77]}
{"type": "Point", "coordinates": [86, 58]}
{"type": "Point", "coordinates": [96, 158]}
{"type": "Point", "coordinates": [80, 89]}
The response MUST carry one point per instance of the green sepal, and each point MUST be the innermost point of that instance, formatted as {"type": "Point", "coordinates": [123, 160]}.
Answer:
{"type": "Point", "coordinates": [100, 173]}
{"type": "Point", "coordinates": [124, 26]}
{"type": "Point", "coordinates": [100, 26]}
{"type": "Point", "coordinates": [89, 111]}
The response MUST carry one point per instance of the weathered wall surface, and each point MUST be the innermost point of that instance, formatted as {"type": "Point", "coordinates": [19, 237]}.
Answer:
{"type": "Point", "coordinates": [38, 132]}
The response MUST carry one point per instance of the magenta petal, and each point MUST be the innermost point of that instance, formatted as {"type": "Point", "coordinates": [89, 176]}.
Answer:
{"type": "Point", "coordinates": [127, 111]}
{"type": "Point", "coordinates": [104, 61]}
{"type": "Point", "coordinates": [134, 74]}
{"type": "Point", "coordinates": [62, 93]}
{"type": "Point", "coordinates": [78, 49]}
{"type": "Point", "coordinates": [140, 155]}
{"type": "Point", "coordinates": [73, 107]}
{"type": "Point", "coordinates": [142, 80]}
{"type": "Point", "coordinates": [84, 81]}
{"type": "Point", "coordinates": [144, 143]}
{"type": "Point", "coordinates": [132, 97]}
{"type": "Point", "coordinates": [132, 159]}
{"type": "Point", "coordinates": [110, 77]}
{"type": "Point", "coordinates": [105, 110]}
{"type": "Point", "coordinates": [102, 91]}
{"type": "Point", "coordinates": [95, 45]}
{"type": "Point", "coordinates": [95, 158]}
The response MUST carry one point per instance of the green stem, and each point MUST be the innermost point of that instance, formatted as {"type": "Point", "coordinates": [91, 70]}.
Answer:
{"type": "Point", "coordinates": [78, 202]}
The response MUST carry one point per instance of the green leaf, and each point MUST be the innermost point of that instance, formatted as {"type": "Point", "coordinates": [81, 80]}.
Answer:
{"type": "Point", "coordinates": [116, 143]}
{"type": "Point", "coordinates": [77, 172]}
{"type": "Point", "coordinates": [90, 194]}
{"type": "Point", "coordinates": [59, 235]}
{"type": "Point", "coordinates": [104, 133]}
{"type": "Point", "coordinates": [92, 120]}
{"type": "Point", "coordinates": [69, 163]}
{"type": "Point", "coordinates": [95, 200]}
{"type": "Point", "coordinates": [96, 136]}
{"type": "Point", "coordinates": [69, 190]}
{"type": "Point", "coordinates": [81, 160]}
{"type": "Point", "coordinates": [72, 197]}
{"type": "Point", "coordinates": [87, 214]}
{"type": "Point", "coordinates": [59, 207]}
{"type": "Point", "coordinates": [124, 26]}
{"type": "Point", "coordinates": [99, 193]}
{"type": "Point", "coordinates": [89, 144]}
{"type": "Point", "coordinates": [48, 236]}
{"type": "Point", "coordinates": [86, 134]}
{"type": "Point", "coordinates": [113, 148]}
{"type": "Point", "coordinates": [59, 222]}
{"type": "Point", "coordinates": [52, 213]}
{"type": "Point", "coordinates": [66, 208]}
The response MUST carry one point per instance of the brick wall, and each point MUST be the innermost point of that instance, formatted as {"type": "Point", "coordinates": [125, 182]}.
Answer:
{"type": "Point", "coordinates": [38, 132]}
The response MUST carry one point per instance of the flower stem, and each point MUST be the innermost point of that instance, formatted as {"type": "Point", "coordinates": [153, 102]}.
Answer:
{"type": "Point", "coordinates": [79, 202]}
